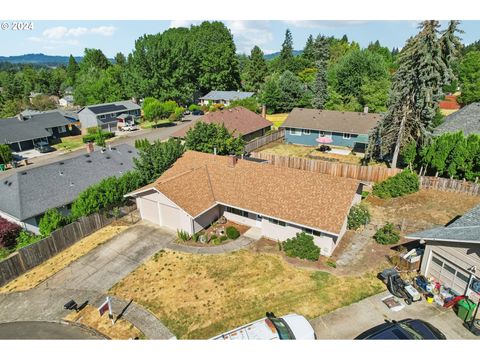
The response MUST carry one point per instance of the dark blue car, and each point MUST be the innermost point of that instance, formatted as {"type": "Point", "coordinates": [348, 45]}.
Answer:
{"type": "Point", "coordinates": [407, 329]}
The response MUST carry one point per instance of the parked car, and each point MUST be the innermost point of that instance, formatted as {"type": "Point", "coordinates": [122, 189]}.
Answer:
{"type": "Point", "coordinates": [129, 127]}
{"type": "Point", "coordinates": [288, 327]}
{"type": "Point", "coordinates": [407, 329]}
{"type": "Point", "coordinates": [43, 147]}
{"type": "Point", "coordinates": [197, 112]}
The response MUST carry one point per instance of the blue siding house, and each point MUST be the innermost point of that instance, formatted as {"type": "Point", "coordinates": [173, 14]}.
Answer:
{"type": "Point", "coordinates": [347, 129]}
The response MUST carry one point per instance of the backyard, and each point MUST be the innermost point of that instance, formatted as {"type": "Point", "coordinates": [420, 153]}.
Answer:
{"type": "Point", "coordinates": [199, 296]}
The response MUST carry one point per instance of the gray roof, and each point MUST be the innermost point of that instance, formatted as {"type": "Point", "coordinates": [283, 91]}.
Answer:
{"type": "Point", "coordinates": [227, 95]}
{"type": "Point", "coordinates": [467, 119]}
{"type": "Point", "coordinates": [334, 121]}
{"type": "Point", "coordinates": [113, 107]}
{"type": "Point", "coordinates": [32, 127]}
{"type": "Point", "coordinates": [31, 192]}
{"type": "Point", "coordinates": [464, 229]}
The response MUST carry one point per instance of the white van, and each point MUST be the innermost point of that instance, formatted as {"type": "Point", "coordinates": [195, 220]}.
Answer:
{"type": "Point", "coordinates": [288, 327]}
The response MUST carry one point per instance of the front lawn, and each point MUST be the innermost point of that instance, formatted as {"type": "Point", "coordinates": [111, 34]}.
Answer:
{"type": "Point", "coordinates": [70, 143]}
{"type": "Point", "coordinates": [152, 125]}
{"type": "Point", "coordinates": [199, 296]}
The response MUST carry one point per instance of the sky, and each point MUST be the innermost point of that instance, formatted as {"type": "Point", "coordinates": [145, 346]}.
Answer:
{"type": "Point", "coordinates": [71, 37]}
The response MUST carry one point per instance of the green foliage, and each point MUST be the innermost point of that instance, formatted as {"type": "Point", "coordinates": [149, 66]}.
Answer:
{"type": "Point", "coordinates": [232, 232]}
{"type": "Point", "coordinates": [320, 54]}
{"type": "Point", "coordinates": [154, 158]}
{"type": "Point", "coordinates": [223, 238]}
{"type": "Point", "coordinates": [331, 263]}
{"type": "Point", "coordinates": [302, 246]}
{"type": "Point", "coordinates": [193, 107]}
{"type": "Point", "coordinates": [469, 75]}
{"type": "Point", "coordinates": [107, 194]}
{"type": "Point", "coordinates": [205, 138]}
{"type": "Point", "coordinates": [183, 235]}
{"type": "Point", "coordinates": [409, 154]}
{"type": "Point", "coordinates": [387, 235]}
{"type": "Point", "coordinates": [249, 103]}
{"type": "Point", "coordinates": [94, 59]}
{"type": "Point", "coordinates": [26, 238]}
{"type": "Point", "coordinates": [140, 143]}
{"type": "Point", "coordinates": [255, 71]}
{"type": "Point", "coordinates": [154, 110]}
{"type": "Point", "coordinates": [453, 155]}
{"type": "Point", "coordinates": [5, 154]}
{"type": "Point", "coordinates": [50, 221]}
{"type": "Point", "coordinates": [43, 102]}
{"type": "Point", "coordinates": [98, 137]}
{"type": "Point", "coordinates": [359, 215]}
{"type": "Point", "coordinates": [406, 182]}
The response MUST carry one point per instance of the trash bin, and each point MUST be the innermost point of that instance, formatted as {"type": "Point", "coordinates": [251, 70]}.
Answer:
{"type": "Point", "coordinates": [2, 167]}
{"type": "Point", "coordinates": [466, 309]}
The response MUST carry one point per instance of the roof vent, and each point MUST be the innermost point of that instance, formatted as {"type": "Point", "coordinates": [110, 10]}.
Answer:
{"type": "Point", "coordinates": [5, 182]}
{"type": "Point", "coordinates": [10, 183]}
{"type": "Point", "coordinates": [114, 148]}
{"type": "Point", "coordinates": [71, 183]}
{"type": "Point", "coordinates": [107, 157]}
{"type": "Point", "coordinates": [121, 163]}
{"type": "Point", "coordinates": [60, 173]}
{"type": "Point", "coordinates": [89, 161]}
{"type": "Point", "coordinates": [129, 151]}
{"type": "Point", "coordinates": [24, 173]}
{"type": "Point", "coordinates": [86, 155]}
{"type": "Point", "coordinates": [61, 163]}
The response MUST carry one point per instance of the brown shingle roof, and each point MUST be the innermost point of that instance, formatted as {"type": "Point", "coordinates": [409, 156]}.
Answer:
{"type": "Point", "coordinates": [238, 120]}
{"type": "Point", "coordinates": [197, 181]}
{"type": "Point", "coordinates": [335, 121]}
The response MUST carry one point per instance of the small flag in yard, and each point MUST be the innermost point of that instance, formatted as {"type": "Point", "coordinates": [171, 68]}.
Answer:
{"type": "Point", "coordinates": [107, 305]}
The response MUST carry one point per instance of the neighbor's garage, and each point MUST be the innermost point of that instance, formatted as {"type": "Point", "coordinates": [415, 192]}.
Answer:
{"type": "Point", "coordinates": [449, 263]}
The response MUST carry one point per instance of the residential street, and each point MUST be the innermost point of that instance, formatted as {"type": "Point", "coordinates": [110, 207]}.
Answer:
{"type": "Point", "coordinates": [42, 330]}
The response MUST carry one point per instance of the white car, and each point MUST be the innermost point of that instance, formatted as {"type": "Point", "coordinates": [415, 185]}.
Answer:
{"type": "Point", "coordinates": [288, 327]}
{"type": "Point", "coordinates": [129, 127]}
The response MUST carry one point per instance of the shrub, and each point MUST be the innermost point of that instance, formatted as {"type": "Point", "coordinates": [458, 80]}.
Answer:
{"type": "Point", "coordinates": [406, 182]}
{"type": "Point", "coordinates": [331, 263]}
{"type": "Point", "coordinates": [365, 194]}
{"type": "Point", "coordinates": [5, 154]}
{"type": "Point", "coordinates": [98, 137]}
{"type": "Point", "coordinates": [223, 238]}
{"type": "Point", "coordinates": [92, 130]}
{"type": "Point", "coordinates": [387, 235]}
{"type": "Point", "coordinates": [302, 246]}
{"type": "Point", "coordinates": [50, 221]}
{"type": "Point", "coordinates": [213, 237]}
{"type": "Point", "coordinates": [193, 107]}
{"type": "Point", "coordinates": [8, 233]}
{"type": "Point", "coordinates": [232, 232]}
{"type": "Point", "coordinates": [4, 252]}
{"type": "Point", "coordinates": [183, 235]}
{"type": "Point", "coordinates": [26, 238]}
{"type": "Point", "coordinates": [195, 237]}
{"type": "Point", "coordinates": [216, 241]}
{"type": "Point", "coordinates": [359, 215]}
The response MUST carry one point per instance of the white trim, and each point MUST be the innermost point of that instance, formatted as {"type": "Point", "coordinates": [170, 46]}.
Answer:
{"type": "Point", "coordinates": [286, 126]}
{"type": "Point", "coordinates": [299, 133]}
{"type": "Point", "coordinates": [306, 131]}
{"type": "Point", "coordinates": [445, 240]}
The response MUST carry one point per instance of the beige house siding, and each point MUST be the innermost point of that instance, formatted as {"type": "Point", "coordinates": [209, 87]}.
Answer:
{"type": "Point", "coordinates": [250, 221]}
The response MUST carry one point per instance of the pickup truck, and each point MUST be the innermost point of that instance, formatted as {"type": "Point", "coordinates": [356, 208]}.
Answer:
{"type": "Point", "coordinates": [288, 327]}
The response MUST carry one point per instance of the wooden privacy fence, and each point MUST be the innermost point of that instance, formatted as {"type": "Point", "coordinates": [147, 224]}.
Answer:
{"type": "Point", "coordinates": [364, 173]}
{"type": "Point", "coordinates": [444, 184]}
{"type": "Point", "coordinates": [34, 254]}
{"type": "Point", "coordinates": [264, 140]}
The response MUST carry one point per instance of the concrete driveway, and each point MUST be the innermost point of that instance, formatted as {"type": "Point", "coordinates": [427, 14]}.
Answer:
{"type": "Point", "coordinates": [349, 322]}
{"type": "Point", "coordinates": [42, 330]}
{"type": "Point", "coordinates": [106, 265]}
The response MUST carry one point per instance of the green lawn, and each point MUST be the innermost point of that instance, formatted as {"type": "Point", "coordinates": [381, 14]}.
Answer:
{"type": "Point", "coordinates": [151, 124]}
{"type": "Point", "coordinates": [69, 143]}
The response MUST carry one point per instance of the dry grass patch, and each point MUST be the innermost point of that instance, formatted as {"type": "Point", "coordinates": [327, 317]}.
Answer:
{"type": "Point", "coordinates": [199, 296]}
{"type": "Point", "coordinates": [421, 210]}
{"type": "Point", "coordinates": [121, 330]}
{"type": "Point", "coordinates": [50, 267]}
{"type": "Point", "coordinates": [287, 149]}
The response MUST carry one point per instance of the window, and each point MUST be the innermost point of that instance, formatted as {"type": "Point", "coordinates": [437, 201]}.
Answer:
{"type": "Point", "coordinates": [306, 131]}
{"type": "Point", "coordinates": [101, 117]}
{"type": "Point", "coordinates": [322, 133]}
{"type": "Point", "coordinates": [311, 232]}
{"type": "Point", "coordinates": [62, 129]}
{"type": "Point", "coordinates": [278, 222]}
{"type": "Point", "coordinates": [236, 211]}
{"type": "Point", "coordinates": [296, 132]}
{"type": "Point", "coordinates": [347, 136]}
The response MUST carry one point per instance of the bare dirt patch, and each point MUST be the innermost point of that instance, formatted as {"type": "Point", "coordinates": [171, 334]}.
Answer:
{"type": "Point", "coordinates": [121, 330]}
{"type": "Point", "coordinates": [199, 296]}
{"type": "Point", "coordinates": [50, 267]}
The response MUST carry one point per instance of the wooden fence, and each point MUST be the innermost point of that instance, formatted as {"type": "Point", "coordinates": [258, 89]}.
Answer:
{"type": "Point", "coordinates": [264, 140]}
{"type": "Point", "coordinates": [364, 173]}
{"type": "Point", "coordinates": [32, 255]}
{"type": "Point", "coordinates": [444, 184]}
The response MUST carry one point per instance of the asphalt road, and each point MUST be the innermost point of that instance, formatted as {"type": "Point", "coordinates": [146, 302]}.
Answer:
{"type": "Point", "coordinates": [39, 330]}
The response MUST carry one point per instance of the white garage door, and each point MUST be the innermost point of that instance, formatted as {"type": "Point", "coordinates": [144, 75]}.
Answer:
{"type": "Point", "coordinates": [447, 273]}
{"type": "Point", "coordinates": [149, 210]}
{"type": "Point", "coordinates": [171, 217]}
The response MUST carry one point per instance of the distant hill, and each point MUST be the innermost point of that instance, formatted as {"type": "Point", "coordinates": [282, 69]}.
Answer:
{"type": "Point", "coordinates": [38, 59]}
{"type": "Point", "coordinates": [276, 54]}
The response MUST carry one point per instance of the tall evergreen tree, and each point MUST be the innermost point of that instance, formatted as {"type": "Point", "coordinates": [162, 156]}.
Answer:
{"type": "Point", "coordinates": [414, 97]}
{"type": "Point", "coordinates": [120, 59]}
{"type": "Point", "coordinates": [72, 70]}
{"type": "Point", "coordinates": [321, 56]}
{"type": "Point", "coordinates": [451, 49]}
{"type": "Point", "coordinates": [286, 54]}
{"type": "Point", "coordinates": [309, 49]}
{"type": "Point", "coordinates": [94, 59]}
{"type": "Point", "coordinates": [255, 70]}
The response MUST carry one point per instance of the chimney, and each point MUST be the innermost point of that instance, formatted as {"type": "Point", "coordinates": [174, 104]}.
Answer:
{"type": "Point", "coordinates": [264, 111]}
{"type": "Point", "coordinates": [89, 148]}
{"type": "Point", "coordinates": [232, 160]}
{"type": "Point", "coordinates": [365, 110]}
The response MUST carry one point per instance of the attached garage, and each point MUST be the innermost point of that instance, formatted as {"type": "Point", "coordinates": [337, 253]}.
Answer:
{"type": "Point", "coordinates": [447, 273]}
{"type": "Point", "coordinates": [149, 210]}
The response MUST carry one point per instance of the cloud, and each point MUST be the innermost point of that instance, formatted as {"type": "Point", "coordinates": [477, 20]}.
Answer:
{"type": "Point", "coordinates": [183, 23]}
{"type": "Point", "coordinates": [313, 24]}
{"type": "Point", "coordinates": [248, 33]}
{"type": "Point", "coordinates": [104, 30]}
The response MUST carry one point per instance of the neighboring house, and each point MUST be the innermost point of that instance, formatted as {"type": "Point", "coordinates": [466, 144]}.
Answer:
{"type": "Point", "coordinates": [199, 188]}
{"type": "Point", "coordinates": [467, 119]}
{"type": "Point", "coordinates": [224, 97]}
{"type": "Point", "coordinates": [26, 129]}
{"type": "Point", "coordinates": [66, 101]}
{"type": "Point", "coordinates": [106, 116]}
{"type": "Point", "coordinates": [350, 129]}
{"type": "Point", "coordinates": [27, 194]}
{"type": "Point", "coordinates": [452, 252]}
{"type": "Point", "coordinates": [238, 120]}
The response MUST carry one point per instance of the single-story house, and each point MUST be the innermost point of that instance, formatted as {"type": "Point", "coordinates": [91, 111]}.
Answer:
{"type": "Point", "coordinates": [26, 129]}
{"type": "Point", "coordinates": [200, 188]}
{"type": "Point", "coordinates": [66, 101]}
{"type": "Point", "coordinates": [452, 252]}
{"type": "Point", "coordinates": [349, 129]}
{"type": "Point", "coordinates": [106, 115]}
{"type": "Point", "coordinates": [467, 119]}
{"type": "Point", "coordinates": [224, 97]}
{"type": "Point", "coordinates": [240, 121]}
{"type": "Point", "coordinates": [27, 194]}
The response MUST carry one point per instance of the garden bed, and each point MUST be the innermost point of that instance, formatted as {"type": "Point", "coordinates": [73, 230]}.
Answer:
{"type": "Point", "coordinates": [217, 230]}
